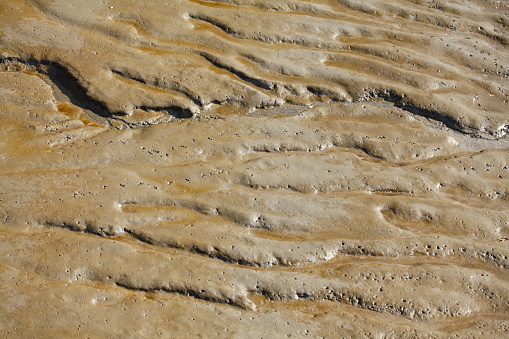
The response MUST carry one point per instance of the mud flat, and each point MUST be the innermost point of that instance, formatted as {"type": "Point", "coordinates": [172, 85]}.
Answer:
{"type": "Point", "coordinates": [254, 169]}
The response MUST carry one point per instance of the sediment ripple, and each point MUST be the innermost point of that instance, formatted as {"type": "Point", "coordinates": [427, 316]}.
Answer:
{"type": "Point", "coordinates": [247, 168]}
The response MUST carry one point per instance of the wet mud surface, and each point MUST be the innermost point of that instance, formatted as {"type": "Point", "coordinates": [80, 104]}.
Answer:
{"type": "Point", "coordinates": [254, 169]}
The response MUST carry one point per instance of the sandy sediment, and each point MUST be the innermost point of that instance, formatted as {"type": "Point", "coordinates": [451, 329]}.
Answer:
{"type": "Point", "coordinates": [254, 169]}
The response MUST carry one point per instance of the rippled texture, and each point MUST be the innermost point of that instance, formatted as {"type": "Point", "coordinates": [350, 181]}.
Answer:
{"type": "Point", "coordinates": [254, 168]}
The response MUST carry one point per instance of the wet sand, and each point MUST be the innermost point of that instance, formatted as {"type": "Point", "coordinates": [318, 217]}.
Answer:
{"type": "Point", "coordinates": [251, 169]}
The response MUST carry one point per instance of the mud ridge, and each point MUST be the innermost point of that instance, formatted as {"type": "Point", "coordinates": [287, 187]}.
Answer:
{"type": "Point", "coordinates": [260, 84]}
{"type": "Point", "coordinates": [173, 85]}
{"type": "Point", "coordinates": [187, 292]}
{"type": "Point", "coordinates": [214, 253]}
{"type": "Point", "coordinates": [64, 80]}
{"type": "Point", "coordinates": [401, 102]}
{"type": "Point", "coordinates": [69, 85]}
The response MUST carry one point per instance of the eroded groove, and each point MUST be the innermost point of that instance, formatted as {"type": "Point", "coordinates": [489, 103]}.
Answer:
{"type": "Point", "coordinates": [399, 101]}
{"type": "Point", "coordinates": [222, 26]}
{"type": "Point", "coordinates": [345, 295]}
{"type": "Point", "coordinates": [187, 292]}
{"type": "Point", "coordinates": [104, 232]}
{"type": "Point", "coordinates": [262, 84]}
{"type": "Point", "coordinates": [173, 86]}
{"type": "Point", "coordinates": [301, 41]}
{"type": "Point", "coordinates": [87, 228]}
{"type": "Point", "coordinates": [281, 149]}
{"type": "Point", "coordinates": [129, 76]}
{"type": "Point", "coordinates": [296, 8]}
{"type": "Point", "coordinates": [175, 111]}
{"type": "Point", "coordinates": [291, 286]}
{"type": "Point", "coordinates": [372, 249]}
{"type": "Point", "coordinates": [65, 81]}
{"type": "Point", "coordinates": [214, 254]}
{"type": "Point", "coordinates": [75, 91]}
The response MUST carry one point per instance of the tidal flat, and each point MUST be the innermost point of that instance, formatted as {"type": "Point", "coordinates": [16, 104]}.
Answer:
{"type": "Point", "coordinates": [254, 169]}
